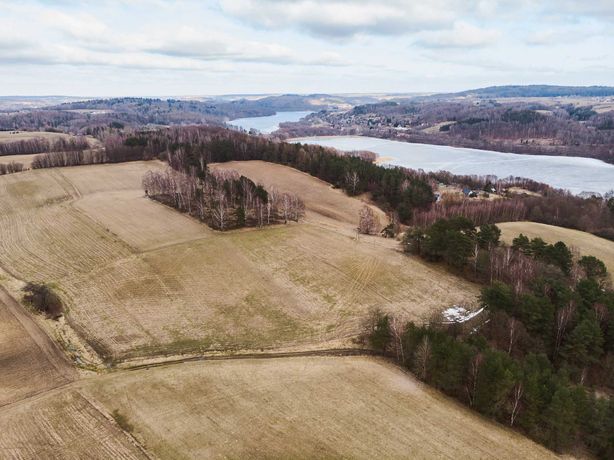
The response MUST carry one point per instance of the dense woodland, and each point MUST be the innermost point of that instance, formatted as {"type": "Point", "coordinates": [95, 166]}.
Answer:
{"type": "Point", "coordinates": [593, 215]}
{"type": "Point", "coordinates": [539, 357]}
{"type": "Point", "coordinates": [533, 91]}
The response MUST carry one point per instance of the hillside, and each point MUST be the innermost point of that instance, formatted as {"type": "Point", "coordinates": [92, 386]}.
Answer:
{"type": "Point", "coordinates": [141, 279]}
{"type": "Point", "coordinates": [534, 91]}
{"type": "Point", "coordinates": [585, 243]}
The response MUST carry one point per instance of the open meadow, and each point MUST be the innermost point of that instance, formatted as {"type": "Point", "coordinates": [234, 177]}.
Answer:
{"type": "Point", "coordinates": [13, 136]}
{"type": "Point", "coordinates": [585, 243]}
{"type": "Point", "coordinates": [141, 279]}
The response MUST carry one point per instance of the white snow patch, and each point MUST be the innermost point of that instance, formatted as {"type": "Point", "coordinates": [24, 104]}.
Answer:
{"type": "Point", "coordinates": [458, 314]}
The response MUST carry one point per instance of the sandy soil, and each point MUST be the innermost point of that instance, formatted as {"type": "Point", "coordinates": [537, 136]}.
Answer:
{"type": "Point", "coordinates": [140, 279]}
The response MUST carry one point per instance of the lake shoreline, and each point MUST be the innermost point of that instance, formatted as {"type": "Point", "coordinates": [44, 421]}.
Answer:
{"type": "Point", "coordinates": [304, 139]}
{"type": "Point", "coordinates": [575, 174]}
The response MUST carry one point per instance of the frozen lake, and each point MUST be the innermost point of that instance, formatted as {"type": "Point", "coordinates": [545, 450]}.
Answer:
{"type": "Point", "coordinates": [268, 124]}
{"type": "Point", "coordinates": [572, 173]}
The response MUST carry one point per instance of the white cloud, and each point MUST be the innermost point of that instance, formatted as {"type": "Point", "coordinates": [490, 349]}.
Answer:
{"type": "Point", "coordinates": [461, 35]}
{"type": "Point", "coordinates": [86, 40]}
{"type": "Point", "coordinates": [301, 45]}
{"type": "Point", "coordinates": [343, 18]}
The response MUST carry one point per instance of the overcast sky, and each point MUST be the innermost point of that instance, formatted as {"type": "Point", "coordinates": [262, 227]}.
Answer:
{"type": "Point", "coordinates": [168, 48]}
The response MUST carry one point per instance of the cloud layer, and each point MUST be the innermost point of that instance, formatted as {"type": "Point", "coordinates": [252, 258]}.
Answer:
{"type": "Point", "coordinates": [301, 45]}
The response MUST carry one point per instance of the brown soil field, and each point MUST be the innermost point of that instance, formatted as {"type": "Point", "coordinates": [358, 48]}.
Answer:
{"type": "Point", "coordinates": [141, 279]}
{"type": "Point", "coordinates": [62, 425]}
{"type": "Point", "coordinates": [30, 362]}
{"type": "Point", "coordinates": [309, 407]}
{"type": "Point", "coordinates": [585, 243]}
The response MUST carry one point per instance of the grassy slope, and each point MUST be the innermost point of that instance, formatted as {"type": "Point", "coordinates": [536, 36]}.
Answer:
{"type": "Point", "coordinates": [586, 243]}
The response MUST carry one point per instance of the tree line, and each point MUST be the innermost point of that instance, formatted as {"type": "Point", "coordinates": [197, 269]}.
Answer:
{"type": "Point", "coordinates": [537, 356]}
{"type": "Point", "coordinates": [40, 145]}
{"type": "Point", "coordinates": [223, 198]}
{"type": "Point", "coordinates": [10, 168]}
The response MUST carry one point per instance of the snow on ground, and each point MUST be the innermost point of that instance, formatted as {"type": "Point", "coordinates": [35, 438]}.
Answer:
{"type": "Point", "coordinates": [458, 314]}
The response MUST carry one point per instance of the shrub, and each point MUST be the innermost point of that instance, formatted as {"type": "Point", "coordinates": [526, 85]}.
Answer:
{"type": "Point", "coordinates": [122, 421]}
{"type": "Point", "coordinates": [43, 299]}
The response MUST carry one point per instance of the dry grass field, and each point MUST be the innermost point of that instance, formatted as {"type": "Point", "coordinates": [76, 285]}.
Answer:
{"type": "Point", "coordinates": [584, 242]}
{"type": "Point", "coordinates": [309, 407]}
{"type": "Point", "coordinates": [25, 160]}
{"type": "Point", "coordinates": [62, 425]}
{"type": "Point", "coordinates": [12, 136]}
{"type": "Point", "coordinates": [140, 278]}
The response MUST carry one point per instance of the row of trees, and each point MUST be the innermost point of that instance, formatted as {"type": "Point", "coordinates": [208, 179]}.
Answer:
{"type": "Point", "coordinates": [40, 145]}
{"type": "Point", "coordinates": [223, 198]}
{"type": "Point", "coordinates": [544, 343]}
{"type": "Point", "coordinates": [10, 168]}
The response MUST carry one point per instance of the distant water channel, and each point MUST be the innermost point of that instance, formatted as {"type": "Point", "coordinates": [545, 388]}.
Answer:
{"type": "Point", "coordinates": [267, 125]}
{"type": "Point", "coordinates": [572, 173]}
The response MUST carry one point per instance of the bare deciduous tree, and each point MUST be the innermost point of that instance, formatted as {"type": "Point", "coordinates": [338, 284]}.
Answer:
{"type": "Point", "coordinates": [517, 393]}
{"type": "Point", "coordinates": [352, 179]}
{"type": "Point", "coordinates": [368, 223]}
{"type": "Point", "coordinates": [472, 377]}
{"type": "Point", "coordinates": [422, 357]}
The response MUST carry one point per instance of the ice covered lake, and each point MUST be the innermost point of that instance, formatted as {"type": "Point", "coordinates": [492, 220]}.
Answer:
{"type": "Point", "coordinates": [268, 124]}
{"type": "Point", "coordinates": [575, 174]}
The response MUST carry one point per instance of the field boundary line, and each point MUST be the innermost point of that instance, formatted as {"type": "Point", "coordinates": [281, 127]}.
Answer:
{"type": "Point", "coordinates": [272, 355]}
